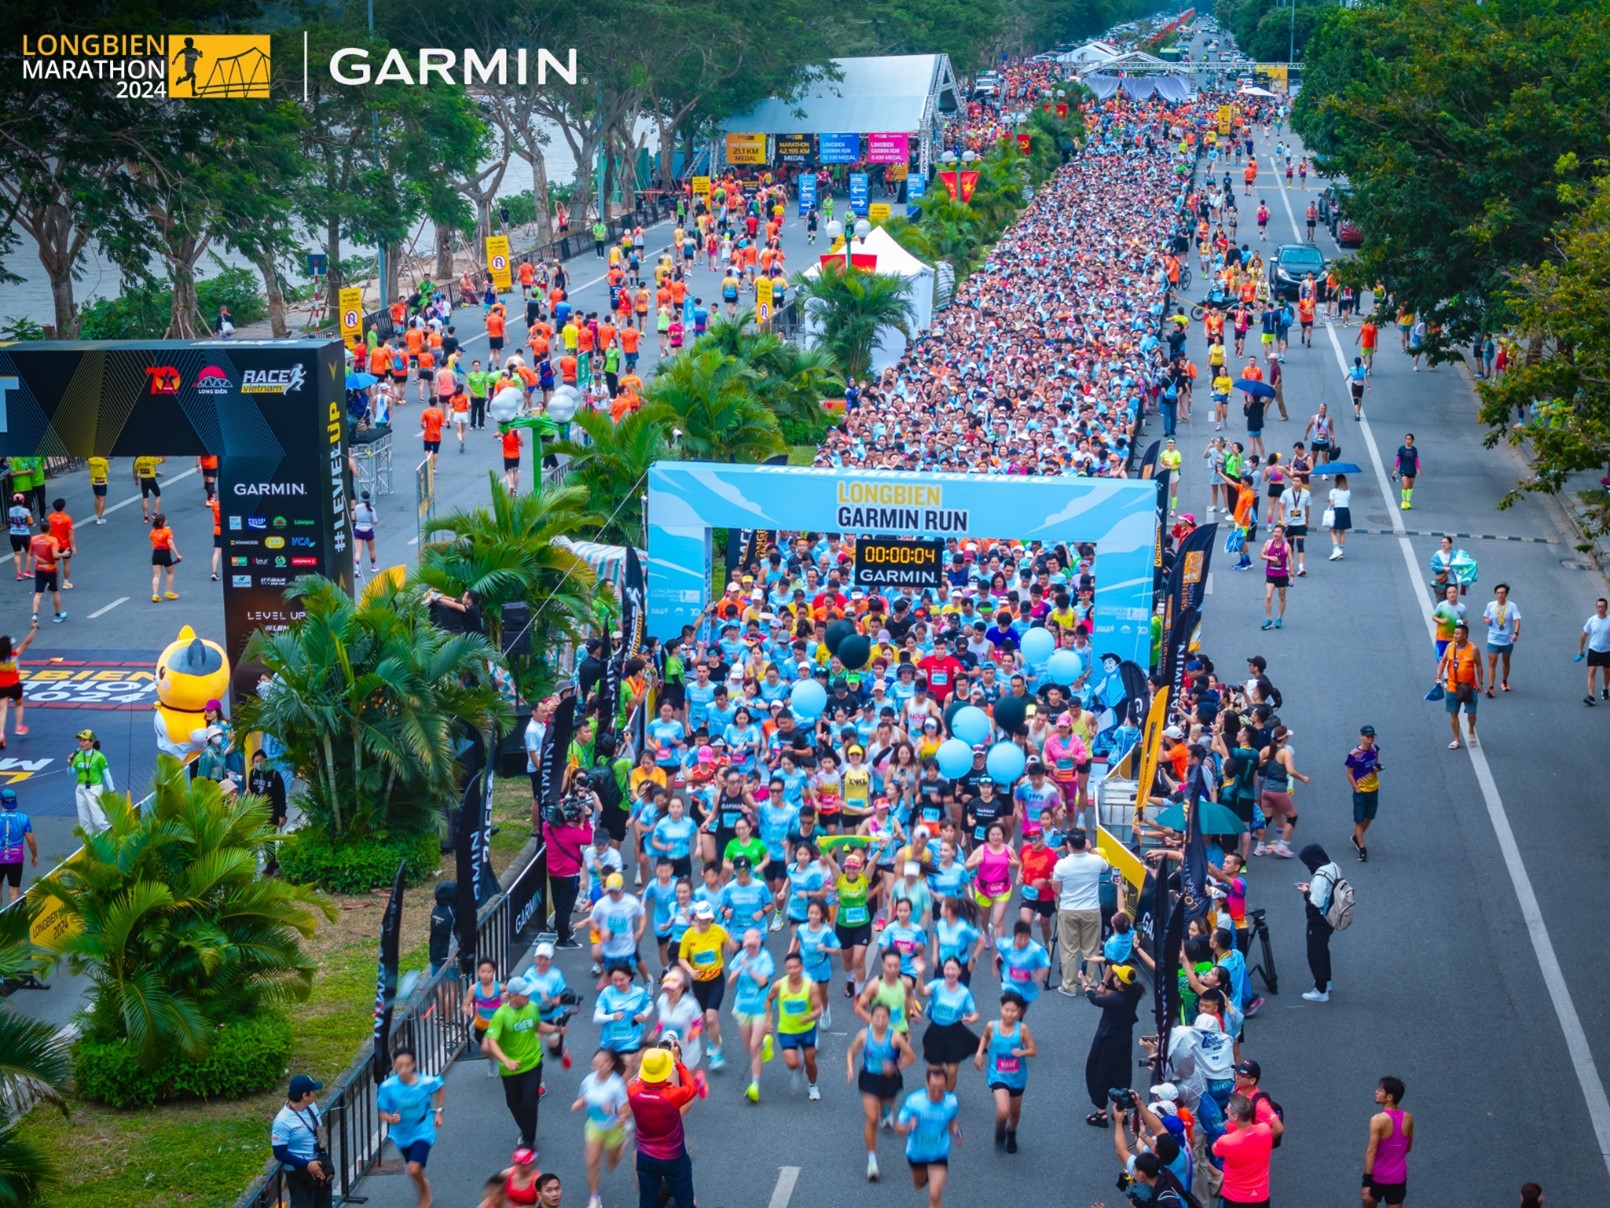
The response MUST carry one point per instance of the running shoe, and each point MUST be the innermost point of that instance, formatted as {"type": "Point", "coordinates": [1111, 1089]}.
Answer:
{"type": "Point", "coordinates": [1266, 624]}
{"type": "Point", "coordinates": [827, 1012]}
{"type": "Point", "coordinates": [156, 599]}
{"type": "Point", "coordinates": [1260, 850]}
{"type": "Point", "coordinates": [872, 1168]}
{"type": "Point", "coordinates": [60, 617]}
{"type": "Point", "coordinates": [170, 595]}
{"type": "Point", "coordinates": [752, 1092]}
{"type": "Point", "coordinates": [767, 1049]}
{"type": "Point", "coordinates": [22, 731]}
{"type": "Point", "coordinates": [569, 944]}
{"type": "Point", "coordinates": [1281, 850]}
{"type": "Point", "coordinates": [1316, 995]}
{"type": "Point", "coordinates": [1280, 622]}
{"type": "Point", "coordinates": [777, 922]}
{"type": "Point", "coordinates": [717, 1061]}
{"type": "Point", "coordinates": [1011, 1140]}
{"type": "Point", "coordinates": [1605, 693]}
{"type": "Point", "coordinates": [813, 1094]}
{"type": "Point", "coordinates": [1254, 1007]}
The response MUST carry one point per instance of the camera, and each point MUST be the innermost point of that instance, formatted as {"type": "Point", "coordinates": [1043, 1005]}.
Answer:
{"type": "Point", "coordinates": [570, 810]}
{"type": "Point", "coordinates": [1122, 1097]}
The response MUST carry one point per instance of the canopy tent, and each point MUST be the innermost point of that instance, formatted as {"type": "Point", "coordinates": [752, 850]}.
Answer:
{"type": "Point", "coordinates": [1139, 63]}
{"type": "Point", "coordinates": [608, 562]}
{"type": "Point", "coordinates": [1091, 54]}
{"type": "Point", "coordinates": [1168, 87]}
{"type": "Point", "coordinates": [893, 260]}
{"type": "Point", "coordinates": [883, 94]}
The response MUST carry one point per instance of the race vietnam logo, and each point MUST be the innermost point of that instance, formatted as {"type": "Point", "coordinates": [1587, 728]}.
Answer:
{"type": "Point", "coordinates": [155, 66]}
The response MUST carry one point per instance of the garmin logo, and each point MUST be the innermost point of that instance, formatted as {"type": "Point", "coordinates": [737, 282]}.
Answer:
{"type": "Point", "coordinates": [270, 488]}
{"type": "Point", "coordinates": [351, 66]}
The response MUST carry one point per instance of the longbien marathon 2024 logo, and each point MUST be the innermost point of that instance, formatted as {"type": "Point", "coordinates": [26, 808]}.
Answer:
{"type": "Point", "coordinates": [237, 66]}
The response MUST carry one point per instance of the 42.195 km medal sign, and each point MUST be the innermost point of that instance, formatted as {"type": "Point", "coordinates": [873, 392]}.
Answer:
{"type": "Point", "coordinates": [894, 562]}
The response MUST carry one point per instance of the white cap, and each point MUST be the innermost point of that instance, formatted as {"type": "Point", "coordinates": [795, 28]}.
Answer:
{"type": "Point", "coordinates": [544, 949]}
{"type": "Point", "coordinates": [1173, 732]}
{"type": "Point", "coordinates": [704, 910]}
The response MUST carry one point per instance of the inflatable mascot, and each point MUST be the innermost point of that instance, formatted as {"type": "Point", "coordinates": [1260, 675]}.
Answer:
{"type": "Point", "coordinates": [190, 672]}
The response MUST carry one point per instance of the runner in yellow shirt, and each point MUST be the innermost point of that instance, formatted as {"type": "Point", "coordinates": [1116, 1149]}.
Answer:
{"type": "Point", "coordinates": [145, 477]}
{"type": "Point", "coordinates": [100, 470]}
{"type": "Point", "coordinates": [703, 955]}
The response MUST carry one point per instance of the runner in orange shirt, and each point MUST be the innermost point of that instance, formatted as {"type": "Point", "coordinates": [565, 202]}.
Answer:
{"type": "Point", "coordinates": [511, 458]}
{"type": "Point", "coordinates": [567, 369]}
{"type": "Point", "coordinates": [606, 335]}
{"type": "Point", "coordinates": [540, 338]}
{"type": "Point", "coordinates": [208, 465]}
{"type": "Point", "coordinates": [496, 327]}
{"type": "Point", "coordinates": [528, 277]}
{"type": "Point", "coordinates": [413, 340]}
{"type": "Point", "coordinates": [431, 420]}
{"type": "Point", "coordinates": [427, 375]}
{"type": "Point", "coordinates": [459, 409]}
{"type": "Point", "coordinates": [61, 528]}
{"type": "Point", "coordinates": [631, 337]}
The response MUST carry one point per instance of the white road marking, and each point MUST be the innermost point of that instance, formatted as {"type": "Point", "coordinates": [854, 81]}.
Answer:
{"type": "Point", "coordinates": [1576, 1038]}
{"type": "Point", "coordinates": [136, 499]}
{"type": "Point", "coordinates": [101, 612]}
{"type": "Point", "coordinates": [787, 1176]}
{"type": "Point", "coordinates": [1208, 590]}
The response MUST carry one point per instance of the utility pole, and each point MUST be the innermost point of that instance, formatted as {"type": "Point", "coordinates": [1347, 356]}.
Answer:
{"type": "Point", "coordinates": [374, 126]}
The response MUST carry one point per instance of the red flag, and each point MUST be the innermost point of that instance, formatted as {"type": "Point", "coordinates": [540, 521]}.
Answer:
{"type": "Point", "coordinates": [1024, 141]}
{"type": "Point", "coordinates": [861, 260]}
{"type": "Point", "coordinates": [958, 182]}
{"type": "Point", "coordinates": [1062, 109]}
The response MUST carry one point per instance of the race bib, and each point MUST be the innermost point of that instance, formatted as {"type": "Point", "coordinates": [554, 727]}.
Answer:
{"type": "Point", "coordinates": [854, 916]}
{"type": "Point", "coordinates": [1008, 1065]}
{"type": "Point", "coordinates": [794, 1006]}
{"type": "Point", "coordinates": [704, 957]}
{"type": "Point", "coordinates": [1018, 973]}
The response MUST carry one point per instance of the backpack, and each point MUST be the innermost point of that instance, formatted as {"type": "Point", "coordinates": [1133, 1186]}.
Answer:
{"type": "Point", "coordinates": [1274, 1107]}
{"type": "Point", "coordinates": [1339, 912]}
{"type": "Point", "coordinates": [606, 786]}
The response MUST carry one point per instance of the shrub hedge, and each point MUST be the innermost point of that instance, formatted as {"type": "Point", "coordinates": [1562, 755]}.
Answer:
{"type": "Point", "coordinates": [308, 857]}
{"type": "Point", "coordinates": [245, 1057]}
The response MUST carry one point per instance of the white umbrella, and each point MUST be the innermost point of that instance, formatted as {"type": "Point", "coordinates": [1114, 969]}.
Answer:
{"type": "Point", "coordinates": [1250, 90]}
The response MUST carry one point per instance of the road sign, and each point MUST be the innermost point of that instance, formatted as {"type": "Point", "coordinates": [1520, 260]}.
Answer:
{"type": "Point", "coordinates": [763, 301]}
{"type": "Point", "coordinates": [497, 260]}
{"type": "Point", "coordinates": [351, 302]}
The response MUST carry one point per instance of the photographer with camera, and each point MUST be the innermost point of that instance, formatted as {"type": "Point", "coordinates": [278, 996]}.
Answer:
{"type": "Point", "coordinates": [1148, 1176]}
{"type": "Point", "coordinates": [1112, 1047]}
{"type": "Point", "coordinates": [567, 829]}
{"type": "Point", "coordinates": [1158, 1130]}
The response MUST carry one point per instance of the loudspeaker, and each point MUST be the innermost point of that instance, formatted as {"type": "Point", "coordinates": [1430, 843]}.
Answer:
{"type": "Point", "coordinates": [516, 631]}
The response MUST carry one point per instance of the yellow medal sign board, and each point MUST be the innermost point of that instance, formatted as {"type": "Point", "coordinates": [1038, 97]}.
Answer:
{"type": "Point", "coordinates": [351, 301]}
{"type": "Point", "coordinates": [746, 148]}
{"type": "Point", "coordinates": [763, 301]}
{"type": "Point", "coordinates": [878, 212]}
{"type": "Point", "coordinates": [1226, 117]}
{"type": "Point", "coordinates": [497, 260]}
{"type": "Point", "coordinates": [701, 187]}
{"type": "Point", "coordinates": [1278, 74]}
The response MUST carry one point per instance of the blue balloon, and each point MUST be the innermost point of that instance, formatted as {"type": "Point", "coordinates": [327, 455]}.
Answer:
{"type": "Point", "coordinates": [1038, 645]}
{"type": "Point", "coordinates": [808, 698]}
{"type": "Point", "coordinates": [971, 724]}
{"type": "Point", "coordinates": [1065, 666]}
{"type": "Point", "coordinates": [1004, 763]}
{"type": "Point", "coordinates": [955, 757]}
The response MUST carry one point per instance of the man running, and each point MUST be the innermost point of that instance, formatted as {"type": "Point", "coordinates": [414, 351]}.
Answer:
{"type": "Point", "coordinates": [1595, 643]}
{"type": "Point", "coordinates": [1503, 630]}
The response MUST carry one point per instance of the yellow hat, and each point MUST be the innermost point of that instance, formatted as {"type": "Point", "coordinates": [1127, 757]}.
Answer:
{"type": "Point", "coordinates": [614, 881]}
{"type": "Point", "coordinates": [657, 1065]}
{"type": "Point", "coordinates": [1124, 973]}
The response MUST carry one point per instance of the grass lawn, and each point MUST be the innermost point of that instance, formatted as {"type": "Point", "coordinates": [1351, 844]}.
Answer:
{"type": "Point", "coordinates": [206, 1154]}
{"type": "Point", "coordinates": [801, 455]}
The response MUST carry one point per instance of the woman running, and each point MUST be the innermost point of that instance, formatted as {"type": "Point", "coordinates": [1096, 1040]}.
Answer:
{"type": "Point", "coordinates": [815, 942]}
{"type": "Point", "coordinates": [994, 866]}
{"type": "Point", "coordinates": [853, 922]}
{"type": "Point", "coordinates": [948, 1040]}
{"type": "Point", "coordinates": [164, 556]}
{"type": "Point", "coordinates": [603, 1095]}
{"type": "Point", "coordinates": [906, 939]}
{"type": "Point", "coordinates": [1275, 801]}
{"type": "Point", "coordinates": [11, 681]}
{"type": "Point", "coordinates": [1276, 555]}
{"type": "Point", "coordinates": [680, 1015]}
{"type": "Point", "coordinates": [481, 1001]}
{"type": "Point", "coordinates": [957, 938]}
{"type": "Point", "coordinates": [873, 1064]}
{"type": "Point", "coordinates": [1007, 1044]}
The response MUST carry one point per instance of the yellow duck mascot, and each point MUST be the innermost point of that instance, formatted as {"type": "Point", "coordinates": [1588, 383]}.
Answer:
{"type": "Point", "coordinates": [190, 672]}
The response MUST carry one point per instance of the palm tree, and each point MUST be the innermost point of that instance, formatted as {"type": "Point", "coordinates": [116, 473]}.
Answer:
{"type": "Point", "coordinates": [610, 467]}
{"type": "Point", "coordinates": [369, 699]}
{"type": "Point", "coordinates": [851, 308]}
{"type": "Point", "coordinates": [171, 922]}
{"type": "Point", "coordinates": [791, 380]}
{"type": "Point", "coordinates": [35, 1064]}
{"type": "Point", "coordinates": [713, 404]}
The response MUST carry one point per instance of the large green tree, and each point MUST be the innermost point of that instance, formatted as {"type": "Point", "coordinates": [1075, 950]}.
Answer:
{"type": "Point", "coordinates": [850, 309]}
{"type": "Point", "coordinates": [709, 400]}
{"type": "Point", "coordinates": [1455, 126]}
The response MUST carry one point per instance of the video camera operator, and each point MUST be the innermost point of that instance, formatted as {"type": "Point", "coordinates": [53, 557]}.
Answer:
{"type": "Point", "coordinates": [567, 828]}
{"type": "Point", "coordinates": [1158, 1130]}
{"type": "Point", "coordinates": [1147, 1177]}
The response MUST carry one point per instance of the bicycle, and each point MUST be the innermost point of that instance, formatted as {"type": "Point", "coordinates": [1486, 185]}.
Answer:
{"type": "Point", "coordinates": [1265, 968]}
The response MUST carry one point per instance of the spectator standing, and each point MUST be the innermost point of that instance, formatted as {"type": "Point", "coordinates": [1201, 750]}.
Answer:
{"type": "Point", "coordinates": [659, 1097]}
{"type": "Point", "coordinates": [1386, 1157]}
{"type": "Point", "coordinates": [1076, 878]}
{"type": "Point", "coordinates": [1316, 901]}
{"type": "Point", "coordinates": [91, 777]}
{"type": "Point", "coordinates": [1244, 1151]}
{"type": "Point", "coordinates": [299, 1145]}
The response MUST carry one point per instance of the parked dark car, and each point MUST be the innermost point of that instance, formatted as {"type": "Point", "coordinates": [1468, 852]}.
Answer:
{"type": "Point", "coordinates": [1291, 263]}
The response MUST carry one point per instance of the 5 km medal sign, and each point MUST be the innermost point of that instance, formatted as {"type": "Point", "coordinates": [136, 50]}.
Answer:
{"type": "Point", "coordinates": [887, 562]}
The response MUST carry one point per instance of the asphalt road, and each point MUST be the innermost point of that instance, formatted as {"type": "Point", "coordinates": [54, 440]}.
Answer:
{"type": "Point", "coordinates": [1441, 981]}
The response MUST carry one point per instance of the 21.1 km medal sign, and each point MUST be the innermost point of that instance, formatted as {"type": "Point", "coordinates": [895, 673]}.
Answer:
{"type": "Point", "coordinates": [892, 562]}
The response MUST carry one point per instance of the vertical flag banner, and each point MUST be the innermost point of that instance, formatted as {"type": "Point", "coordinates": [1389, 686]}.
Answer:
{"type": "Point", "coordinates": [1194, 867]}
{"type": "Point", "coordinates": [1165, 483]}
{"type": "Point", "coordinates": [555, 749]}
{"type": "Point", "coordinates": [1187, 578]}
{"type": "Point", "coordinates": [888, 148]}
{"type": "Point", "coordinates": [1148, 459]}
{"type": "Point", "coordinates": [838, 148]}
{"type": "Point", "coordinates": [860, 193]}
{"type": "Point", "coordinates": [1024, 142]}
{"type": "Point", "coordinates": [473, 859]}
{"type": "Point", "coordinates": [807, 193]}
{"type": "Point", "coordinates": [916, 190]}
{"type": "Point", "coordinates": [351, 302]}
{"type": "Point", "coordinates": [497, 261]}
{"type": "Point", "coordinates": [1151, 746]}
{"type": "Point", "coordinates": [1168, 974]}
{"type": "Point", "coordinates": [959, 184]}
{"type": "Point", "coordinates": [763, 301]}
{"type": "Point", "coordinates": [634, 601]}
{"type": "Point", "coordinates": [386, 983]}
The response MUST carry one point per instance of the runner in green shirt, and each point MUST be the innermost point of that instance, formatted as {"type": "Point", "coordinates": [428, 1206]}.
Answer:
{"type": "Point", "coordinates": [600, 234]}
{"type": "Point", "coordinates": [514, 1041]}
{"type": "Point", "coordinates": [480, 386]}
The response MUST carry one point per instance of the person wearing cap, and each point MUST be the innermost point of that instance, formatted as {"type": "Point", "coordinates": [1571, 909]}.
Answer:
{"type": "Point", "coordinates": [1248, 1075]}
{"type": "Point", "coordinates": [519, 1183]}
{"type": "Point", "coordinates": [750, 976]}
{"type": "Point", "coordinates": [702, 954]}
{"type": "Point", "coordinates": [1363, 768]}
{"type": "Point", "coordinates": [404, 1101]}
{"type": "Point", "coordinates": [659, 1097]}
{"type": "Point", "coordinates": [618, 921]}
{"type": "Point", "coordinates": [91, 777]}
{"type": "Point", "coordinates": [1110, 1060]}
{"type": "Point", "coordinates": [299, 1146]}
{"type": "Point", "coordinates": [514, 1041]}
{"type": "Point", "coordinates": [16, 829]}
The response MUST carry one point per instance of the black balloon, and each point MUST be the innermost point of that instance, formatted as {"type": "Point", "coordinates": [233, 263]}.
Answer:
{"type": "Point", "coordinates": [951, 710]}
{"type": "Point", "coordinates": [854, 651]}
{"type": "Point", "coordinates": [836, 633]}
{"type": "Point", "coordinates": [1011, 712]}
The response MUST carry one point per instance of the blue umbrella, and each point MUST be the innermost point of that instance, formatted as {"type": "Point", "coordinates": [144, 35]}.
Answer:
{"type": "Point", "coordinates": [1337, 467]}
{"type": "Point", "coordinates": [360, 381]}
{"type": "Point", "coordinates": [1255, 388]}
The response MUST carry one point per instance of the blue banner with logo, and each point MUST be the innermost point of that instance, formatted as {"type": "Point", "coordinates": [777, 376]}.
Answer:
{"type": "Point", "coordinates": [838, 148]}
{"type": "Point", "coordinates": [807, 194]}
{"type": "Point", "coordinates": [860, 192]}
{"type": "Point", "coordinates": [916, 190]}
